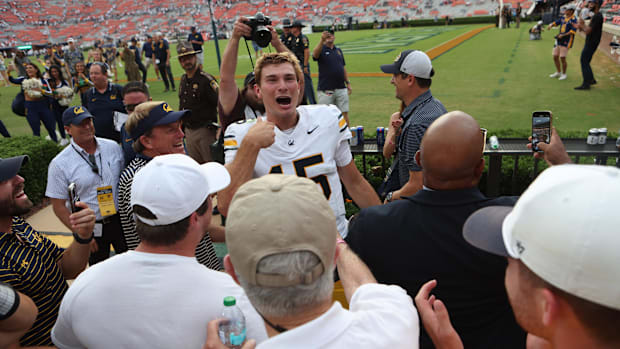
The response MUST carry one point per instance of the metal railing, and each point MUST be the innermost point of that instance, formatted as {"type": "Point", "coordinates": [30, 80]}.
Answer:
{"type": "Point", "coordinates": [578, 149]}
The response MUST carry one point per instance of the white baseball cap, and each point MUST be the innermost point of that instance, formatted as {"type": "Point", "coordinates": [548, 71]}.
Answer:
{"type": "Point", "coordinates": [412, 62]}
{"type": "Point", "coordinates": [565, 228]}
{"type": "Point", "coordinates": [173, 186]}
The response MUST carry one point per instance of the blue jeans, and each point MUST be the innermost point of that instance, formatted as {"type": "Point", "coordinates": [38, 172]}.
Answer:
{"type": "Point", "coordinates": [37, 112]}
{"type": "Point", "coordinates": [586, 70]}
{"type": "Point", "coordinates": [308, 89]}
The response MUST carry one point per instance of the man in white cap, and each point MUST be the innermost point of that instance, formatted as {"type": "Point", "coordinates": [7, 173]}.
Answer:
{"type": "Point", "coordinates": [561, 240]}
{"type": "Point", "coordinates": [283, 246]}
{"type": "Point", "coordinates": [74, 54]}
{"type": "Point", "coordinates": [411, 75]}
{"type": "Point", "coordinates": [157, 296]}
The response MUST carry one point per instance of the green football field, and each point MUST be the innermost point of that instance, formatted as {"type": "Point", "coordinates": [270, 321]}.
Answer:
{"type": "Point", "coordinates": [498, 76]}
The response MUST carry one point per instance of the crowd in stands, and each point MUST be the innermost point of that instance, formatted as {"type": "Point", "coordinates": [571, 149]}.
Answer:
{"type": "Point", "coordinates": [432, 263]}
{"type": "Point", "coordinates": [41, 21]}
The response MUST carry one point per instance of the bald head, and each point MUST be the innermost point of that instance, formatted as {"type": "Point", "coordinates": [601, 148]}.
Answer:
{"type": "Point", "coordinates": [451, 152]}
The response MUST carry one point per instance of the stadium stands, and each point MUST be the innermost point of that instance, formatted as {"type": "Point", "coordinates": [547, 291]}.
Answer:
{"type": "Point", "coordinates": [31, 21]}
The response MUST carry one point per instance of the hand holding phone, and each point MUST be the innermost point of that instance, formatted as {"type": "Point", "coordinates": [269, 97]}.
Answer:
{"type": "Point", "coordinates": [73, 198]}
{"type": "Point", "coordinates": [541, 128]}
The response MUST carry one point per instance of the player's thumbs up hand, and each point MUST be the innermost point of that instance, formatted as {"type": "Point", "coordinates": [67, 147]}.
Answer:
{"type": "Point", "coordinates": [262, 134]}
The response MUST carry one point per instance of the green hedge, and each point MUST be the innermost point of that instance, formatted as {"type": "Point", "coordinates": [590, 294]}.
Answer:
{"type": "Point", "coordinates": [41, 153]}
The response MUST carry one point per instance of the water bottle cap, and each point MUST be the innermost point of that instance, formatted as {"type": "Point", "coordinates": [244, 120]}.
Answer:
{"type": "Point", "coordinates": [229, 301]}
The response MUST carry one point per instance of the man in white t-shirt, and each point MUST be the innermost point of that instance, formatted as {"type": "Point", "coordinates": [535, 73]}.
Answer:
{"type": "Point", "coordinates": [283, 243]}
{"type": "Point", "coordinates": [157, 296]}
{"type": "Point", "coordinates": [307, 141]}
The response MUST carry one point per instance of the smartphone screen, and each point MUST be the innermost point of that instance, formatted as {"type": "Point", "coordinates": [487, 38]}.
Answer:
{"type": "Point", "coordinates": [541, 128]}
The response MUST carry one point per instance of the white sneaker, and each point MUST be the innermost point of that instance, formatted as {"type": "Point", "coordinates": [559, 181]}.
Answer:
{"type": "Point", "coordinates": [562, 77]}
{"type": "Point", "coordinates": [555, 75]}
{"type": "Point", "coordinates": [64, 142]}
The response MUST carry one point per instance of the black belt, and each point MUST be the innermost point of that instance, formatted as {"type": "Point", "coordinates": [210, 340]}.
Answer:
{"type": "Point", "coordinates": [106, 219]}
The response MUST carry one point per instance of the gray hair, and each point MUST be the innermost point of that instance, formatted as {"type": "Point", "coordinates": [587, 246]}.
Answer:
{"type": "Point", "coordinates": [289, 301]}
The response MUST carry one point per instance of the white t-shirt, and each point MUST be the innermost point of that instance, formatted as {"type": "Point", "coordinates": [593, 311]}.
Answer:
{"type": "Point", "coordinates": [379, 316]}
{"type": "Point", "coordinates": [315, 148]}
{"type": "Point", "coordinates": [147, 300]}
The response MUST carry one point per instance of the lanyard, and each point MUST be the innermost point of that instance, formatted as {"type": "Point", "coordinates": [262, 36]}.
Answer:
{"type": "Point", "coordinates": [94, 166]}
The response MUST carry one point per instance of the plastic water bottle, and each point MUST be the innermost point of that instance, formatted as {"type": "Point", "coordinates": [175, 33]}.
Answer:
{"type": "Point", "coordinates": [232, 328]}
{"type": "Point", "coordinates": [494, 142]}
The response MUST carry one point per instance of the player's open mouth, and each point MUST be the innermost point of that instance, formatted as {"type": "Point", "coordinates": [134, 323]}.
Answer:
{"type": "Point", "coordinates": [283, 101]}
{"type": "Point", "coordinates": [20, 195]}
{"type": "Point", "coordinates": [178, 145]}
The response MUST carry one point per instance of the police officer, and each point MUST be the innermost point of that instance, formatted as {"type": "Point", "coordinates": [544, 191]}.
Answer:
{"type": "Point", "coordinates": [299, 45]}
{"type": "Point", "coordinates": [198, 92]}
{"type": "Point", "coordinates": [286, 31]}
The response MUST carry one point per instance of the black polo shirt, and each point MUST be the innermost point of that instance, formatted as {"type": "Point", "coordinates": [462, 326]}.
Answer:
{"type": "Point", "coordinates": [103, 106]}
{"type": "Point", "coordinates": [160, 50]}
{"type": "Point", "coordinates": [331, 69]}
{"type": "Point", "coordinates": [198, 37]}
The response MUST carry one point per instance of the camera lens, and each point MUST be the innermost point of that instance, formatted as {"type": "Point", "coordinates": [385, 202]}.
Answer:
{"type": "Point", "coordinates": [262, 36]}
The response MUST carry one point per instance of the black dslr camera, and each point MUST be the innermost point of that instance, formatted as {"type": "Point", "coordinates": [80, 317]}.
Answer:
{"type": "Point", "coordinates": [260, 33]}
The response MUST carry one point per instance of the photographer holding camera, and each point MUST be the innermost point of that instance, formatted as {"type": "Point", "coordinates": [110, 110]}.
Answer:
{"type": "Point", "coordinates": [235, 104]}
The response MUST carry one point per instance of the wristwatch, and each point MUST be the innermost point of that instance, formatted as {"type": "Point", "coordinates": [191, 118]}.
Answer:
{"type": "Point", "coordinates": [82, 241]}
{"type": "Point", "coordinates": [388, 197]}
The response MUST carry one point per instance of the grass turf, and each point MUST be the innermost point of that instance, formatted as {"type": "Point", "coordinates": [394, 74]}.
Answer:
{"type": "Point", "coordinates": [498, 76]}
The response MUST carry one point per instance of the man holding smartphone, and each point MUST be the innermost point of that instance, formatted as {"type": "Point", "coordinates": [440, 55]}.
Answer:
{"type": "Point", "coordinates": [94, 164]}
{"type": "Point", "coordinates": [31, 263]}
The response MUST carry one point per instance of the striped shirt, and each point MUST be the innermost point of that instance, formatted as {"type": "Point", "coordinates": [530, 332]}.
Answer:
{"type": "Point", "coordinates": [31, 267]}
{"type": "Point", "coordinates": [417, 117]}
{"type": "Point", "coordinates": [71, 165]}
{"type": "Point", "coordinates": [205, 253]}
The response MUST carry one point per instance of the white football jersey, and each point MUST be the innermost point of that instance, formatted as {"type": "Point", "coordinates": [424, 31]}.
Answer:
{"type": "Point", "coordinates": [314, 148]}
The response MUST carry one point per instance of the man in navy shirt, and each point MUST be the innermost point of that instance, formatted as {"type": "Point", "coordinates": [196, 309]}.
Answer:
{"type": "Point", "coordinates": [195, 38]}
{"type": "Point", "coordinates": [161, 53]}
{"type": "Point", "coordinates": [334, 85]}
{"type": "Point", "coordinates": [102, 100]}
{"type": "Point", "coordinates": [147, 49]}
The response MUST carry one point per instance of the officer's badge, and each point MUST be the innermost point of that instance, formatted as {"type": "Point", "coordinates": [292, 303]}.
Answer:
{"type": "Point", "coordinates": [214, 85]}
{"type": "Point", "coordinates": [195, 86]}
{"type": "Point", "coordinates": [112, 97]}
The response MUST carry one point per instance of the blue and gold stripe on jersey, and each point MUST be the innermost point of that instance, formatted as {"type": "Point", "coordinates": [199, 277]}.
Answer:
{"type": "Point", "coordinates": [29, 263]}
{"type": "Point", "coordinates": [342, 123]}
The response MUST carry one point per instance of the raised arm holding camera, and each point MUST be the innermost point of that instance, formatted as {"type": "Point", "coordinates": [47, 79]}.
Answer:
{"type": "Point", "coordinates": [235, 104]}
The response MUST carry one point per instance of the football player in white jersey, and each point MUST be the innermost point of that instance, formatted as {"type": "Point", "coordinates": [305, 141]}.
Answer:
{"type": "Point", "coordinates": [308, 141]}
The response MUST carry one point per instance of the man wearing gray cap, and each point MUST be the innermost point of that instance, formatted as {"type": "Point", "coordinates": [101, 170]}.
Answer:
{"type": "Point", "coordinates": [157, 296]}
{"type": "Point", "coordinates": [411, 75]}
{"type": "Point", "coordinates": [94, 164]}
{"type": "Point", "coordinates": [283, 255]}
{"type": "Point", "coordinates": [561, 241]}
{"type": "Point", "coordinates": [31, 263]}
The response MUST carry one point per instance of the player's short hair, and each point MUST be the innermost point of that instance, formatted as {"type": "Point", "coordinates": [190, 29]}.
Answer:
{"type": "Point", "coordinates": [600, 321]}
{"type": "Point", "coordinates": [142, 111]}
{"type": "Point", "coordinates": [277, 58]}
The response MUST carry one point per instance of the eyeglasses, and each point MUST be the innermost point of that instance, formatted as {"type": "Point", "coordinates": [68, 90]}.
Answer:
{"type": "Point", "coordinates": [92, 161]}
{"type": "Point", "coordinates": [131, 107]}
